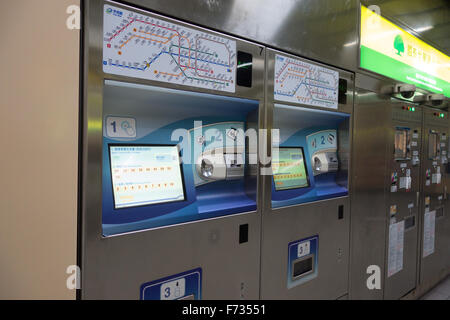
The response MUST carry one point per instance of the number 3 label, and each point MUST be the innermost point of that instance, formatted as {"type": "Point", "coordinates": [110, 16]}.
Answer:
{"type": "Point", "coordinates": [174, 289]}
{"type": "Point", "coordinates": [118, 127]}
{"type": "Point", "coordinates": [303, 249]}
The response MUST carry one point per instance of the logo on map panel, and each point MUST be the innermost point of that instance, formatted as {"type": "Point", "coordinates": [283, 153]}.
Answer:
{"type": "Point", "coordinates": [140, 46]}
{"type": "Point", "coordinates": [301, 82]}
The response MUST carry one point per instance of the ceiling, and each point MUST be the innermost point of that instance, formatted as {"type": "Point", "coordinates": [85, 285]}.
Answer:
{"type": "Point", "coordinates": [429, 18]}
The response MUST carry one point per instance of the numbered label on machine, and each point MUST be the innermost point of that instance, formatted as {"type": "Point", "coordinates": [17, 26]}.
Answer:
{"type": "Point", "coordinates": [183, 286]}
{"type": "Point", "coordinates": [302, 261]}
{"type": "Point", "coordinates": [120, 127]}
{"type": "Point", "coordinates": [323, 150]}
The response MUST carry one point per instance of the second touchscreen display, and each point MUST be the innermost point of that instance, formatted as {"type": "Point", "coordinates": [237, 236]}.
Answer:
{"type": "Point", "coordinates": [289, 169]}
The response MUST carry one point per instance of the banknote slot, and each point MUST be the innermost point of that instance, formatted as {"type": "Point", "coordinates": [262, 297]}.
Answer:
{"type": "Point", "coordinates": [302, 267]}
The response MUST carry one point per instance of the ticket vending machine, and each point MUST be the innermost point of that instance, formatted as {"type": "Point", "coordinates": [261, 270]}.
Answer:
{"type": "Point", "coordinates": [401, 122]}
{"type": "Point", "coordinates": [170, 171]}
{"type": "Point", "coordinates": [391, 138]}
{"type": "Point", "coordinates": [388, 158]}
{"type": "Point", "coordinates": [434, 253]}
{"type": "Point", "coordinates": [305, 225]}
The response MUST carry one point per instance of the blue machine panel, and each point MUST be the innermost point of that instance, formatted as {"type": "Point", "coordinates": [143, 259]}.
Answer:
{"type": "Point", "coordinates": [143, 116]}
{"type": "Point", "coordinates": [303, 262]}
{"type": "Point", "coordinates": [316, 132]}
{"type": "Point", "coordinates": [182, 286]}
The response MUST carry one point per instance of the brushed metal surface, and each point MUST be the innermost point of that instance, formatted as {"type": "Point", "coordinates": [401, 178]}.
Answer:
{"type": "Point", "coordinates": [368, 223]}
{"type": "Point", "coordinates": [438, 261]}
{"type": "Point", "coordinates": [323, 30]}
{"type": "Point", "coordinates": [115, 267]}
{"type": "Point", "coordinates": [283, 225]}
{"type": "Point", "coordinates": [376, 116]}
{"type": "Point", "coordinates": [403, 281]}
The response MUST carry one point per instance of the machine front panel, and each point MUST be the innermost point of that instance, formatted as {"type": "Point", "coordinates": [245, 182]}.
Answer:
{"type": "Point", "coordinates": [434, 251]}
{"type": "Point", "coordinates": [151, 126]}
{"type": "Point", "coordinates": [306, 206]}
{"type": "Point", "coordinates": [405, 152]}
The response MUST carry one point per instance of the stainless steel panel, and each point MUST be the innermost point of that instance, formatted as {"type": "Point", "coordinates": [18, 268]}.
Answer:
{"type": "Point", "coordinates": [376, 118]}
{"type": "Point", "coordinates": [438, 261]}
{"type": "Point", "coordinates": [323, 30]}
{"type": "Point", "coordinates": [283, 225]}
{"type": "Point", "coordinates": [369, 177]}
{"type": "Point", "coordinates": [407, 202]}
{"type": "Point", "coordinates": [115, 267]}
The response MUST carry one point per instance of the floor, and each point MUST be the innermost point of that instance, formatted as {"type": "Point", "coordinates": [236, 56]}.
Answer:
{"type": "Point", "coordinates": [440, 292]}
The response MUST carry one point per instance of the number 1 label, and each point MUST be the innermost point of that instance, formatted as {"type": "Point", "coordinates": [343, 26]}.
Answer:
{"type": "Point", "coordinates": [118, 127]}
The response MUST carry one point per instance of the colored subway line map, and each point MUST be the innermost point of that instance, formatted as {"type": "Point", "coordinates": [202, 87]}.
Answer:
{"type": "Point", "coordinates": [142, 46]}
{"type": "Point", "coordinates": [301, 82]}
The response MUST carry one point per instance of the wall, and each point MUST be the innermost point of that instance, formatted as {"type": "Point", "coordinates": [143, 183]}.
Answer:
{"type": "Point", "coordinates": [39, 139]}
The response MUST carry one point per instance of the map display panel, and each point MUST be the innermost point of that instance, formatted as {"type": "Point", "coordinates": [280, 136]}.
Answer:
{"type": "Point", "coordinates": [141, 46]}
{"type": "Point", "coordinates": [301, 82]}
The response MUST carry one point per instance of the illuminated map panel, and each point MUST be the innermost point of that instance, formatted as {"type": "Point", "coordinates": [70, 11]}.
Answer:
{"type": "Point", "coordinates": [289, 170]}
{"type": "Point", "coordinates": [141, 46]}
{"type": "Point", "coordinates": [144, 175]}
{"type": "Point", "coordinates": [301, 82]}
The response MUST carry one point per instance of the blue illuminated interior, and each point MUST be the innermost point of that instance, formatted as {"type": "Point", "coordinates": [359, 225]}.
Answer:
{"type": "Point", "coordinates": [295, 125]}
{"type": "Point", "coordinates": [159, 112]}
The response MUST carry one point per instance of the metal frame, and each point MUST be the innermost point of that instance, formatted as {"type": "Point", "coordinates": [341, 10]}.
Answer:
{"type": "Point", "coordinates": [100, 262]}
{"type": "Point", "coordinates": [278, 224]}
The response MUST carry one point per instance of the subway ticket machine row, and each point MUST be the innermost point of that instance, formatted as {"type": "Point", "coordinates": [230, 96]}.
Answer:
{"type": "Point", "coordinates": [306, 214]}
{"type": "Point", "coordinates": [170, 171]}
